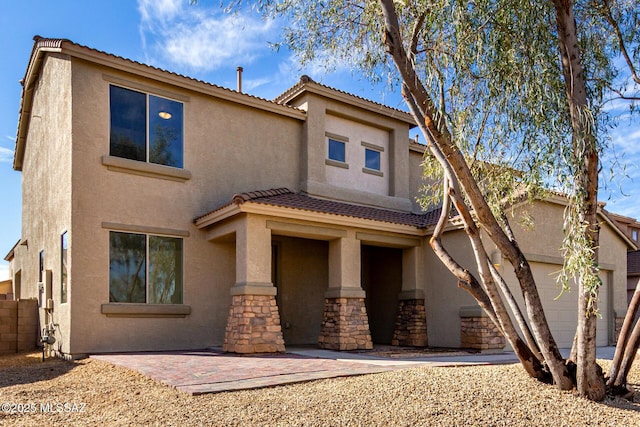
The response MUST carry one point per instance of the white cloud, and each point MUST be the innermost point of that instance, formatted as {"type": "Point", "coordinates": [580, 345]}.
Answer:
{"type": "Point", "coordinates": [6, 155]}
{"type": "Point", "coordinates": [198, 38]}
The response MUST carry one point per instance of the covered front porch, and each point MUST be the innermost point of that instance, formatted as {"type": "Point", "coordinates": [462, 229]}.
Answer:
{"type": "Point", "coordinates": [313, 271]}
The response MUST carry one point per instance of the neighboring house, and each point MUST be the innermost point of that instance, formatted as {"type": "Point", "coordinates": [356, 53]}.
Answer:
{"type": "Point", "coordinates": [162, 212]}
{"type": "Point", "coordinates": [629, 226]}
{"type": "Point", "coordinates": [633, 273]}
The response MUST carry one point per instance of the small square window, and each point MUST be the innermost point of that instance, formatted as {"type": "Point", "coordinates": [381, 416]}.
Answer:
{"type": "Point", "coordinates": [371, 159]}
{"type": "Point", "coordinates": [336, 150]}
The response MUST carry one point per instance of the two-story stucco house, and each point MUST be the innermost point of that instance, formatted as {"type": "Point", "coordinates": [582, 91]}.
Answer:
{"type": "Point", "coordinates": [162, 212]}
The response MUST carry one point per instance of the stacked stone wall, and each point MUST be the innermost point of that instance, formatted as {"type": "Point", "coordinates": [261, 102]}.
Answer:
{"type": "Point", "coordinates": [480, 333]}
{"type": "Point", "coordinates": [345, 325]}
{"type": "Point", "coordinates": [253, 325]}
{"type": "Point", "coordinates": [411, 324]}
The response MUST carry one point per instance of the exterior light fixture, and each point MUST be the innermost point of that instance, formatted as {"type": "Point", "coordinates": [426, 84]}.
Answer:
{"type": "Point", "coordinates": [164, 115]}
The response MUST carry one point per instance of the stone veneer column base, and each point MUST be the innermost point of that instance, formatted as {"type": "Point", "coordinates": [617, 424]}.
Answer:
{"type": "Point", "coordinates": [253, 325]}
{"type": "Point", "coordinates": [345, 325]}
{"type": "Point", "coordinates": [411, 324]}
{"type": "Point", "coordinates": [480, 333]}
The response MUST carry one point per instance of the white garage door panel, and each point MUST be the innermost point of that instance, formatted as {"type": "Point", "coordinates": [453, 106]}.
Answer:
{"type": "Point", "coordinates": [562, 312]}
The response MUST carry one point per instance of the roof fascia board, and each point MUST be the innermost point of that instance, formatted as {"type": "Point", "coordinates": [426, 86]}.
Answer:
{"type": "Point", "coordinates": [304, 215]}
{"type": "Point", "coordinates": [184, 82]}
{"type": "Point", "coordinates": [24, 116]}
{"type": "Point", "coordinates": [321, 217]}
{"type": "Point", "coordinates": [311, 87]}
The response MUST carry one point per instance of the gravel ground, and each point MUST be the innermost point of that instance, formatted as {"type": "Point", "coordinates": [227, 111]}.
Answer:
{"type": "Point", "coordinates": [97, 393]}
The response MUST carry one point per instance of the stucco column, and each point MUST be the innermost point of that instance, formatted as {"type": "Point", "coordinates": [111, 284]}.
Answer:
{"type": "Point", "coordinates": [345, 325]}
{"type": "Point", "coordinates": [253, 325]}
{"type": "Point", "coordinates": [411, 319]}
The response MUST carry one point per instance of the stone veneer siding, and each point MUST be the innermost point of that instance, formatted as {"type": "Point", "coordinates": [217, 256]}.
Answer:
{"type": "Point", "coordinates": [411, 324]}
{"type": "Point", "coordinates": [253, 325]}
{"type": "Point", "coordinates": [18, 325]}
{"type": "Point", "coordinates": [478, 332]}
{"type": "Point", "coordinates": [345, 325]}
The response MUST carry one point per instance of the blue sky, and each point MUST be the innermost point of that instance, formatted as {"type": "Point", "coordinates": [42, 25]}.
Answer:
{"type": "Point", "coordinates": [202, 42]}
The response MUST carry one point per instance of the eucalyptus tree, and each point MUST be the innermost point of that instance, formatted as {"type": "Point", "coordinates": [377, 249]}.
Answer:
{"type": "Point", "coordinates": [509, 95]}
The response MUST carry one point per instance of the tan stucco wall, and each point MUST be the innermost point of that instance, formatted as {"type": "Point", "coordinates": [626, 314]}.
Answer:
{"type": "Point", "coordinates": [541, 244]}
{"type": "Point", "coordinates": [227, 149]}
{"type": "Point", "coordinates": [46, 187]}
{"type": "Point", "coordinates": [354, 177]}
{"type": "Point", "coordinates": [443, 297]}
{"type": "Point", "coordinates": [302, 281]}
{"type": "Point", "coordinates": [318, 179]}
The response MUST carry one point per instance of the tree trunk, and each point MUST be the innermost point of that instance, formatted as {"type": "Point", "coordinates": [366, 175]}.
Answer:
{"type": "Point", "coordinates": [437, 133]}
{"type": "Point", "coordinates": [618, 376]}
{"type": "Point", "coordinates": [589, 379]}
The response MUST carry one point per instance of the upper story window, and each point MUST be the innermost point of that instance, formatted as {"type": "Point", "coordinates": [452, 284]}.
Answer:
{"type": "Point", "coordinates": [372, 159]}
{"type": "Point", "coordinates": [634, 234]}
{"type": "Point", "coordinates": [145, 268]}
{"type": "Point", "coordinates": [145, 127]}
{"type": "Point", "coordinates": [337, 151]}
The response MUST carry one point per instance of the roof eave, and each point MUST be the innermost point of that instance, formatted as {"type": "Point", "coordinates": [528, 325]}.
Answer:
{"type": "Point", "coordinates": [309, 86]}
{"type": "Point", "coordinates": [26, 99]}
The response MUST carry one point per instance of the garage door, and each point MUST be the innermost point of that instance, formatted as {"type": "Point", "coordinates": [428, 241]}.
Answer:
{"type": "Point", "coordinates": [562, 311]}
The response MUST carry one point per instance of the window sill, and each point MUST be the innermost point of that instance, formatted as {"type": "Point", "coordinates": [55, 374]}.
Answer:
{"type": "Point", "coordinates": [134, 167]}
{"type": "Point", "coordinates": [145, 310]}
{"type": "Point", "coordinates": [372, 172]}
{"type": "Point", "coordinates": [336, 163]}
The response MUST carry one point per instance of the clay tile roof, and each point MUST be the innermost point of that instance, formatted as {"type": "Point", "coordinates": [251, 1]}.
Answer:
{"type": "Point", "coordinates": [633, 263]}
{"type": "Point", "coordinates": [286, 198]}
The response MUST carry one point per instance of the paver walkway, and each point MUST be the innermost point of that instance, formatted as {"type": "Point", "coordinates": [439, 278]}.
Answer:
{"type": "Point", "coordinates": [212, 371]}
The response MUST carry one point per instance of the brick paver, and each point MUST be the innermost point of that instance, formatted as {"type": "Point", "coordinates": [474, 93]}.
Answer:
{"type": "Point", "coordinates": [211, 371]}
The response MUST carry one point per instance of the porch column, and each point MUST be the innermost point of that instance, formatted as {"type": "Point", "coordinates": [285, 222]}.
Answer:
{"type": "Point", "coordinates": [253, 325]}
{"type": "Point", "coordinates": [345, 325]}
{"type": "Point", "coordinates": [411, 319]}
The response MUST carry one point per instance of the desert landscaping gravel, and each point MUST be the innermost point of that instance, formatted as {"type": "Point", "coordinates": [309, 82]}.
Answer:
{"type": "Point", "coordinates": [91, 392]}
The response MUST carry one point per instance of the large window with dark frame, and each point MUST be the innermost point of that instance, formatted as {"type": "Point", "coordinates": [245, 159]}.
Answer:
{"type": "Point", "coordinates": [145, 268]}
{"type": "Point", "coordinates": [145, 127]}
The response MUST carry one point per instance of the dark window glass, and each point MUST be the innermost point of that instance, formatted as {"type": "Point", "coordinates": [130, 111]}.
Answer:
{"type": "Point", "coordinates": [165, 132]}
{"type": "Point", "coordinates": [165, 270]}
{"type": "Point", "coordinates": [372, 159]}
{"type": "Point", "coordinates": [161, 143]}
{"type": "Point", "coordinates": [128, 124]}
{"type": "Point", "coordinates": [41, 266]}
{"type": "Point", "coordinates": [64, 248]}
{"type": "Point", "coordinates": [127, 269]}
{"type": "Point", "coordinates": [336, 150]}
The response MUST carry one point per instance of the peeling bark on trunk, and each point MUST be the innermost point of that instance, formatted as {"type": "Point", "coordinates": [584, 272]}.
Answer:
{"type": "Point", "coordinates": [589, 378]}
{"type": "Point", "coordinates": [436, 132]}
